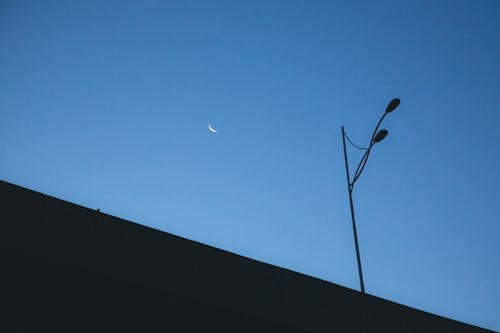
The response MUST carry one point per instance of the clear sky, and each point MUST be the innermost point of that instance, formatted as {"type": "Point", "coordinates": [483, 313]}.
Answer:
{"type": "Point", "coordinates": [106, 104]}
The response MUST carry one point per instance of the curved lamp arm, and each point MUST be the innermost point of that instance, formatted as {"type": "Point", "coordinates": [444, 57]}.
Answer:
{"type": "Point", "coordinates": [364, 159]}
{"type": "Point", "coordinates": [393, 104]}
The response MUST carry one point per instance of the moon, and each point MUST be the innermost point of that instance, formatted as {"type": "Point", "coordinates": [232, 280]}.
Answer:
{"type": "Point", "coordinates": [211, 129]}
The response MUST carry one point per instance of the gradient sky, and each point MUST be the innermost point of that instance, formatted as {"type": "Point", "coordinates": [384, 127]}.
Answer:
{"type": "Point", "coordinates": [106, 104]}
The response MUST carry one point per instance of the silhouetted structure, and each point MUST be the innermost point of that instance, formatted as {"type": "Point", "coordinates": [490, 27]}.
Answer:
{"type": "Point", "coordinates": [66, 268]}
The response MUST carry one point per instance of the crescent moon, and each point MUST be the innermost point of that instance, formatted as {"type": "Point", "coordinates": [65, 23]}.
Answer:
{"type": "Point", "coordinates": [211, 129]}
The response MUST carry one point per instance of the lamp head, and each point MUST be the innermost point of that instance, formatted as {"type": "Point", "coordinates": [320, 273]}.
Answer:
{"type": "Point", "coordinates": [380, 135]}
{"type": "Point", "coordinates": [392, 105]}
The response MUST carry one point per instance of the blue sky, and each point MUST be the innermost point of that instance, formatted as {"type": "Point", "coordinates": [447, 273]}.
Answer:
{"type": "Point", "coordinates": [106, 104]}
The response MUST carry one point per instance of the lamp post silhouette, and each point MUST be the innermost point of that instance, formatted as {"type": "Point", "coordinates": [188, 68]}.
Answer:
{"type": "Point", "coordinates": [376, 137]}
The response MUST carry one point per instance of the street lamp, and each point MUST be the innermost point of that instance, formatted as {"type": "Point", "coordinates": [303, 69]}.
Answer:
{"type": "Point", "coordinates": [377, 136]}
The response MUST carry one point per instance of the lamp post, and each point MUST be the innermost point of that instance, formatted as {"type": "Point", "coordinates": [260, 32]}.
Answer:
{"type": "Point", "coordinates": [376, 137]}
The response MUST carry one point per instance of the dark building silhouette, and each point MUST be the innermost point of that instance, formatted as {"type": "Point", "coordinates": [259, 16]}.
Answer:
{"type": "Point", "coordinates": [66, 268]}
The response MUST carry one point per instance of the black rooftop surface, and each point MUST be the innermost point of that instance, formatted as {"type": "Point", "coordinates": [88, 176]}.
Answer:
{"type": "Point", "coordinates": [67, 268]}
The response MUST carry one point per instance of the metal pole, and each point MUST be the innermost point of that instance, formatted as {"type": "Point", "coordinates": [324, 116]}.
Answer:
{"type": "Point", "coordinates": [349, 189]}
